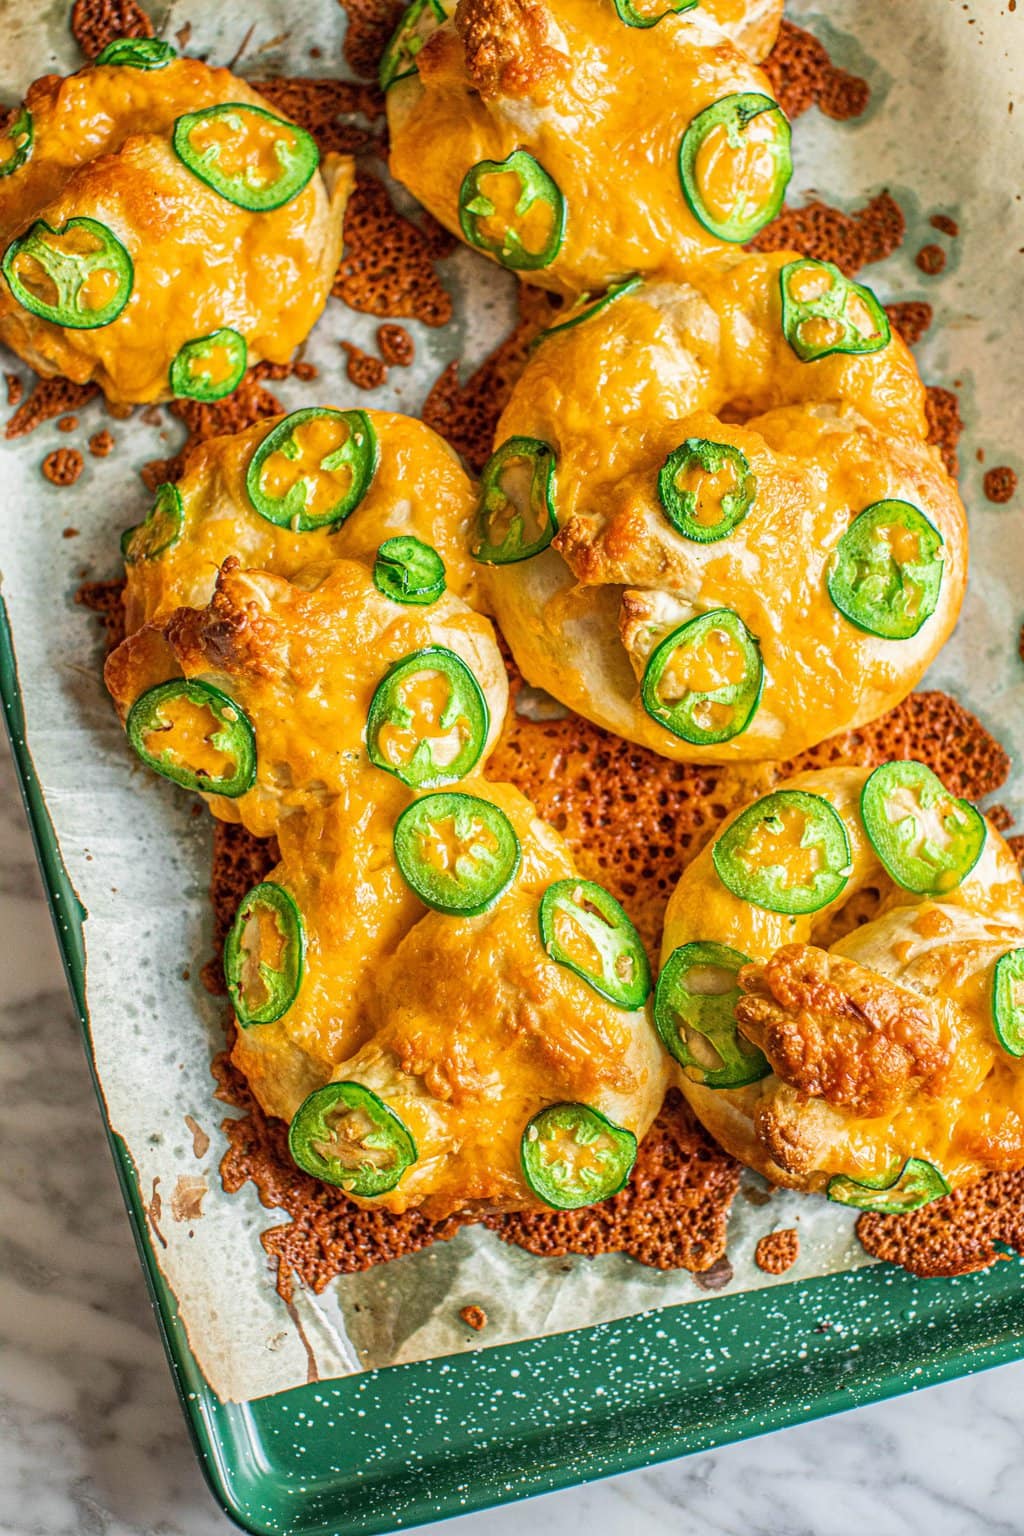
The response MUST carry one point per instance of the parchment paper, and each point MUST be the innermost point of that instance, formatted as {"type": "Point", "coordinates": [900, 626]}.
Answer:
{"type": "Point", "coordinates": [938, 134]}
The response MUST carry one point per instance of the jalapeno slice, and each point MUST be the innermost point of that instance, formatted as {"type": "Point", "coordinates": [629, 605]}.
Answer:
{"type": "Point", "coordinates": [824, 311]}
{"type": "Point", "coordinates": [735, 164]}
{"type": "Point", "coordinates": [159, 531]}
{"type": "Point", "coordinates": [516, 518]}
{"type": "Point", "coordinates": [695, 1015]}
{"type": "Point", "coordinates": [1008, 1002]}
{"type": "Point", "coordinates": [409, 571]}
{"type": "Point", "coordinates": [418, 23]}
{"type": "Point", "coordinates": [634, 17]}
{"type": "Point", "coordinates": [428, 719]}
{"type": "Point", "coordinates": [79, 276]}
{"type": "Point", "coordinates": [586, 308]}
{"type": "Point", "coordinates": [313, 469]}
{"type": "Point", "coordinates": [137, 53]}
{"type": "Point", "coordinates": [195, 736]}
{"type": "Point", "coordinates": [16, 142]}
{"type": "Point", "coordinates": [917, 1183]}
{"type": "Point", "coordinates": [887, 570]}
{"type": "Point", "coordinates": [927, 839]}
{"type": "Point", "coordinates": [209, 367]}
{"type": "Point", "coordinates": [457, 852]}
{"type": "Point", "coordinates": [703, 682]}
{"type": "Point", "coordinates": [788, 852]}
{"type": "Point", "coordinates": [250, 157]}
{"type": "Point", "coordinates": [706, 489]}
{"type": "Point", "coordinates": [344, 1134]}
{"type": "Point", "coordinates": [584, 928]}
{"type": "Point", "coordinates": [573, 1155]}
{"type": "Point", "coordinates": [523, 231]}
{"type": "Point", "coordinates": [264, 955]}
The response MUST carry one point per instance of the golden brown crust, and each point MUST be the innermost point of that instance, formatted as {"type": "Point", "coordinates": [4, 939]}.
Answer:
{"type": "Point", "coordinates": [509, 47]}
{"type": "Point", "coordinates": [837, 1031]}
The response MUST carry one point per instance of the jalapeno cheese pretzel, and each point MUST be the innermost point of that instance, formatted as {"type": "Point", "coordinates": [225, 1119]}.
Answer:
{"type": "Point", "coordinates": [161, 227]}
{"type": "Point", "coordinates": [269, 699]}
{"type": "Point", "coordinates": [713, 523]}
{"type": "Point", "coordinates": [842, 984]}
{"type": "Point", "coordinates": [359, 1008]}
{"type": "Point", "coordinates": [320, 484]}
{"type": "Point", "coordinates": [578, 142]}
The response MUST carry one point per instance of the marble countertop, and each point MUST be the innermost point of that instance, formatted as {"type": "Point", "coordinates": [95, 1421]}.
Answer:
{"type": "Point", "coordinates": [93, 1443]}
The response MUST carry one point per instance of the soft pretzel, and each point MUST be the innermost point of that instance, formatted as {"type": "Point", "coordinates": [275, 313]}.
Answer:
{"type": "Point", "coordinates": [269, 697]}
{"type": "Point", "coordinates": [578, 142]}
{"type": "Point", "coordinates": [350, 480]}
{"type": "Point", "coordinates": [713, 523]}
{"type": "Point", "coordinates": [842, 982]}
{"type": "Point", "coordinates": [460, 1024]}
{"type": "Point", "coordinates": [161, 227]}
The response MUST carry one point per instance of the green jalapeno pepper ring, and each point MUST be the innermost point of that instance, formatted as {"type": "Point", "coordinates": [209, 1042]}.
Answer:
{"type": "Point", "coordinates": [535, 186]}
{"type": "Point", "coordinates": [928, 869]}
{"type": "Point", "coordinates": [681, 507]}
{"type": "Point", "coordinates": [765, 887]}
{"type": "Point", "coordinates": [584, 309]}
{"type": "Point", "coordinates": [359, 453]}
{"type": "Point", "coordinates": [379, 1152]}
{"type": "Point", "coordinates": [280, 982]}
{"type": "Point", "coordinates": [21, 133]}
{"type": "Point", "coordinates": [69, 271]}
{"type": "Point", "coordinates": [481, 871]}
{"type": "Point", "coordinates": [734, 113]}
{"type": "Point", "coordinates": [624, 977]}
{"type": "Point", "coordinates": [917, 1183]}
{"type": "Point", "coordinates": [709, 1012]}
{"type": "Point", "coordinates": [235, 737]}
{"type": "Point", "coordinates": [559, 1181]}
{"type": "Point", "coordinates": [157, 532]}
{"type": "Point", "coordinates": [833, 305]}
{"type": "Point", "coordinates": [876, 590]}
{"type": "Point", "coordinates": [628, 13]}
{"type": "Point", "coordinates": [1007, 1012]}
{"type": "Point", "coordinates": [418, 22]}
{"type": "Point", "coordinates": [409, 571]}
{"type": "Point", "coordinates": [137, 53]}
{"type": "Point", "coordinates": [189, 379]}
{"type": "Point", "coordinates": [495, 503]}
{"type": "Point", "coordinates": [296, 151]}
{"type": "Point", "coordinates": [682, 717]}
{"type": "Point", "coordinates": [466, 700]}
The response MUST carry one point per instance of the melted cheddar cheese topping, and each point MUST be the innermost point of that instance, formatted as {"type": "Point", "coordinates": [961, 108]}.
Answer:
{"type": "Point", "coordinates": [102, 150]}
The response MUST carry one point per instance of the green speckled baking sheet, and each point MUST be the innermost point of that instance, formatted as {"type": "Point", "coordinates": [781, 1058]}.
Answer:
{"type": "Point", "coordinates": [381, 1449]}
